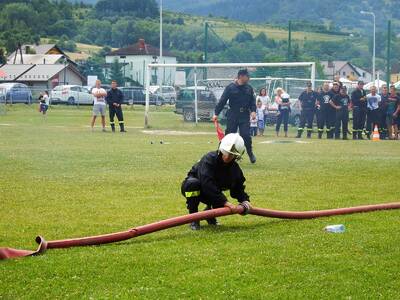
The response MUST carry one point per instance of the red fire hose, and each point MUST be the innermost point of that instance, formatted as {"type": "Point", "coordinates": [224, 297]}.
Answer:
{"type": "Point", "coordinates": [6, 253]}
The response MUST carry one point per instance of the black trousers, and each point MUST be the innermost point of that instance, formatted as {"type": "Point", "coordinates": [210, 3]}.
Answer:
{"type": "Point", "coordinates": [240, 122]}
{"type": "Point", "coordinates": [382, 122]}
{"type": "Point", "coordinates": [283, 117]}
{"type": "Point", "coordinates": [372, 120]}
{"type": "Point", "coordinates": [326, 118]}
{"type": "Point", "coordinates": [359, 117]}
{"type": "Point", "coordinates": [306, 116]}
{"type": "Point", "coordinates": [191, 190]}
{"type": "Point", "coordinates": [116, 111]}
{"type": "Point", "coordinates": [342, 120]}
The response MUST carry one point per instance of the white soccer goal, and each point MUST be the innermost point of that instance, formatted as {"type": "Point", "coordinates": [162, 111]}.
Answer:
{"type": "Point", "coordinates": [197, 75]}
{"type": "Point", "coordinates": [3, 108]}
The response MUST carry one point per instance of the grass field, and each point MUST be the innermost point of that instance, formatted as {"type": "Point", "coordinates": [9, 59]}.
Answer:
{"type": "Point", "coordinates": [60, 180]}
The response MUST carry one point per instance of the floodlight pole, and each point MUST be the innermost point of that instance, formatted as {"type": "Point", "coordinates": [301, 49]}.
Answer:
{"type": "Point", "coordinates": [374, 47]}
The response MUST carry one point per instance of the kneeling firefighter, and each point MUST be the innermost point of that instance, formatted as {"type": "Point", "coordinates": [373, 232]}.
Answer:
{"type": "Point", "coordinates": [216, 172]}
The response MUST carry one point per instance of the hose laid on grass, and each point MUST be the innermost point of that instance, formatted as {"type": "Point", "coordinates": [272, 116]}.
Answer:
{"type": "Point", "coordinates": [6, 253]}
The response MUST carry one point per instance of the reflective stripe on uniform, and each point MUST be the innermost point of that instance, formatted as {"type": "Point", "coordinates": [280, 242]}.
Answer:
{"type": "Point", "coordinates": [121, 122]}
{"type": "Point", "coordinates": [192, 194]}
{"type": "Point", "coordinates": [112, 123]}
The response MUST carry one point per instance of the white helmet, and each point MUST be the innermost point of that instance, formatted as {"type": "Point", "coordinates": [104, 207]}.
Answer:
{"type": "Point", "coordinates": [233, 144]}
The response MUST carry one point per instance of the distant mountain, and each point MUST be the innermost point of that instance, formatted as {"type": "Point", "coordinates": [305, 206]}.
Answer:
{"type": "Point", "coordinates": [340, 13]}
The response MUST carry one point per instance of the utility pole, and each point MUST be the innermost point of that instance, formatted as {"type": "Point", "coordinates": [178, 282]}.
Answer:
{"type": "Point", "coordinates": [289, 42]}
{"type": "Point", "coordinates": [205, 42]}
{"type": "Point", "coordinates": [374, 47]}
{"type": "Point", "coordinates": [388, 54]}
{"type": "Point", "coordinates": [205, 58]}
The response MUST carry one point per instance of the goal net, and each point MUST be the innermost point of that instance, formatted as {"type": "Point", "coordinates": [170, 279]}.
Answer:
{"type": "Point", "coordinates": [194, 89]}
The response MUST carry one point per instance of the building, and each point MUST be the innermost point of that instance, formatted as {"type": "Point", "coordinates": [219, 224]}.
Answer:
{"type": "Point", "coordinates": [345, 69]}
{"type": "Point", "coordinates": [134, 60]}
{"type": "Point", "coordinates": [40, 67]}
{"type": "Point", "coordinates": [39, 54]}
{"type": "Point", "coordinates": [41, 76]}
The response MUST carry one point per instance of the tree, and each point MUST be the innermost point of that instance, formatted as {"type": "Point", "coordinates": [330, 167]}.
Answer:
{"type": "Point", "coordinates": [243, 36]}
{"type": "Point", "coordinates": [116, 72]}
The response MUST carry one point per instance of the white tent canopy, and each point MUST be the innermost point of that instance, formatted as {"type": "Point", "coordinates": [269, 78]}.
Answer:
{"type": "Point", "coordinates": [378, 83]}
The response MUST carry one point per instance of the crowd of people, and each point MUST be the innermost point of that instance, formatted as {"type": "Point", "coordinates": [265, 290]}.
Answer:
{"type": "Point", "coordinates": [330, 106]}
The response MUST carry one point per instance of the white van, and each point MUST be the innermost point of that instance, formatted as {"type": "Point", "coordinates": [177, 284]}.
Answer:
{"type": "Point", "coordinates": [71, 95]}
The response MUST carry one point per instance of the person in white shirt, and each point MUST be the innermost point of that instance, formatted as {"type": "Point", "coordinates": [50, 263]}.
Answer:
{"type": "Point", "coordinates": [99, 104]}
{"type": "Point", "coordinates": [373, 100]}
{"type": "Point", "coordinates": [263, 97]}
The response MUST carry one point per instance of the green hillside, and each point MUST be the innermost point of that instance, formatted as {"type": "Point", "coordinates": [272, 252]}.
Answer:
{"type": "Point", "coordinates": [337, 13]}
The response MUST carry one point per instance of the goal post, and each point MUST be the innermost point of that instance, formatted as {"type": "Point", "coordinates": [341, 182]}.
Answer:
{"type": "Point", "coordinates": [266, 70]}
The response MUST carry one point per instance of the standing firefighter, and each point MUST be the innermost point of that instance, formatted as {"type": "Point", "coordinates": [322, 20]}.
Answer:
{"type": "Point", "coordinates": [114, 99]}
{"type": "Point", "coordinates": [216, 172]}
{"type": "Point", "coordinates": [359, 104]}
{"type": "Point", "coordinates": [327, 113]}
{"type": "Point", "coordinates": [242, 103]}
{"type": "Point", "coordinates": [308, 100]}
{"type": "Point", "coordinates": [341, 103]}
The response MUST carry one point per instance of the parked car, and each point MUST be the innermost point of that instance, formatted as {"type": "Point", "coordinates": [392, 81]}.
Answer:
{"type": "Point", "coordinates": [71, 95]}
{"type": "Point", "coordinates": [168, 93]}
{"type": "Point", "coordinates": [137, 95]}
{"type": "Point", "coordinates": [206, 102]}
{"type": "Point", "coordinates": [16, 93]}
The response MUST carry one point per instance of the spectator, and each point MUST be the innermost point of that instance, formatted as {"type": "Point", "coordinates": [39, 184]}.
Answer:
{"type": "Point", "coordinates": [283, 102]}
{"type": "Point", "coordinates": [382, 112]}
{"type": "Point", "coordinates": [253, 125]}
{"type": "Point", "coordinates": [43, 106]}
{"type": "Point", "coordinates": [99, 105]}
{"type": "Point", "coordinates": [392, 113]}
{"type": "Point", "coordinates": [260, 117]}
{"type": "Point", "coordinates": [263, 97]}
{"type": "Point", "coordinates": [373, 100]}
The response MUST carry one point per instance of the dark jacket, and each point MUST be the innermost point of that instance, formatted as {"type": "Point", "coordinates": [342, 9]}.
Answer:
{"type": "Point", "coordinates": [241, 100]}
{"type": "Point", "coordinates": [215, 176]}
{"type": "Point", "coordinates": [324, 99]}
{"type": "Point", "coordinates": [359, 99]}
{"type": "Point", "coordinates": [114, 96]}
{"type": "Point", "coordinates": [308, 100]}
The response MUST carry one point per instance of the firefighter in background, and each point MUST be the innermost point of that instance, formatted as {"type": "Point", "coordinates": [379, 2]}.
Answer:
{"type": "Point", "coordinates": [341, 103]}
{"type": "Point", "coordinates": [382, 113]}
{"type": "Point", "coordinates": [327, 113]}
{"type": "Point", "coordinates": [216, 172]}
{"type": "Point", "coordinates": [242, 104]}
{"type": "Point", "coordinates": [308, 100]}
{"type": "Point", "coordinates": [359, 104]}
{"type": "Point", "coordinates": [114, 99]}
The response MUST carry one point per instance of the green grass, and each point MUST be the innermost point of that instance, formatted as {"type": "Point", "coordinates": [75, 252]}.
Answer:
{"type": "Point", "coordinates": [60, 180]}
{"type": "Point", "coordinates": [227, 29]}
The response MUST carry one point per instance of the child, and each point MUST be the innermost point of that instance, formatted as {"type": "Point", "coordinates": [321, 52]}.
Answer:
{"type": "Point", "coordinates": [260, 117]}
{"type": "Point", "coordinates": [42, 104]}
{"type": "Point", "coordinates": [253, 126]}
